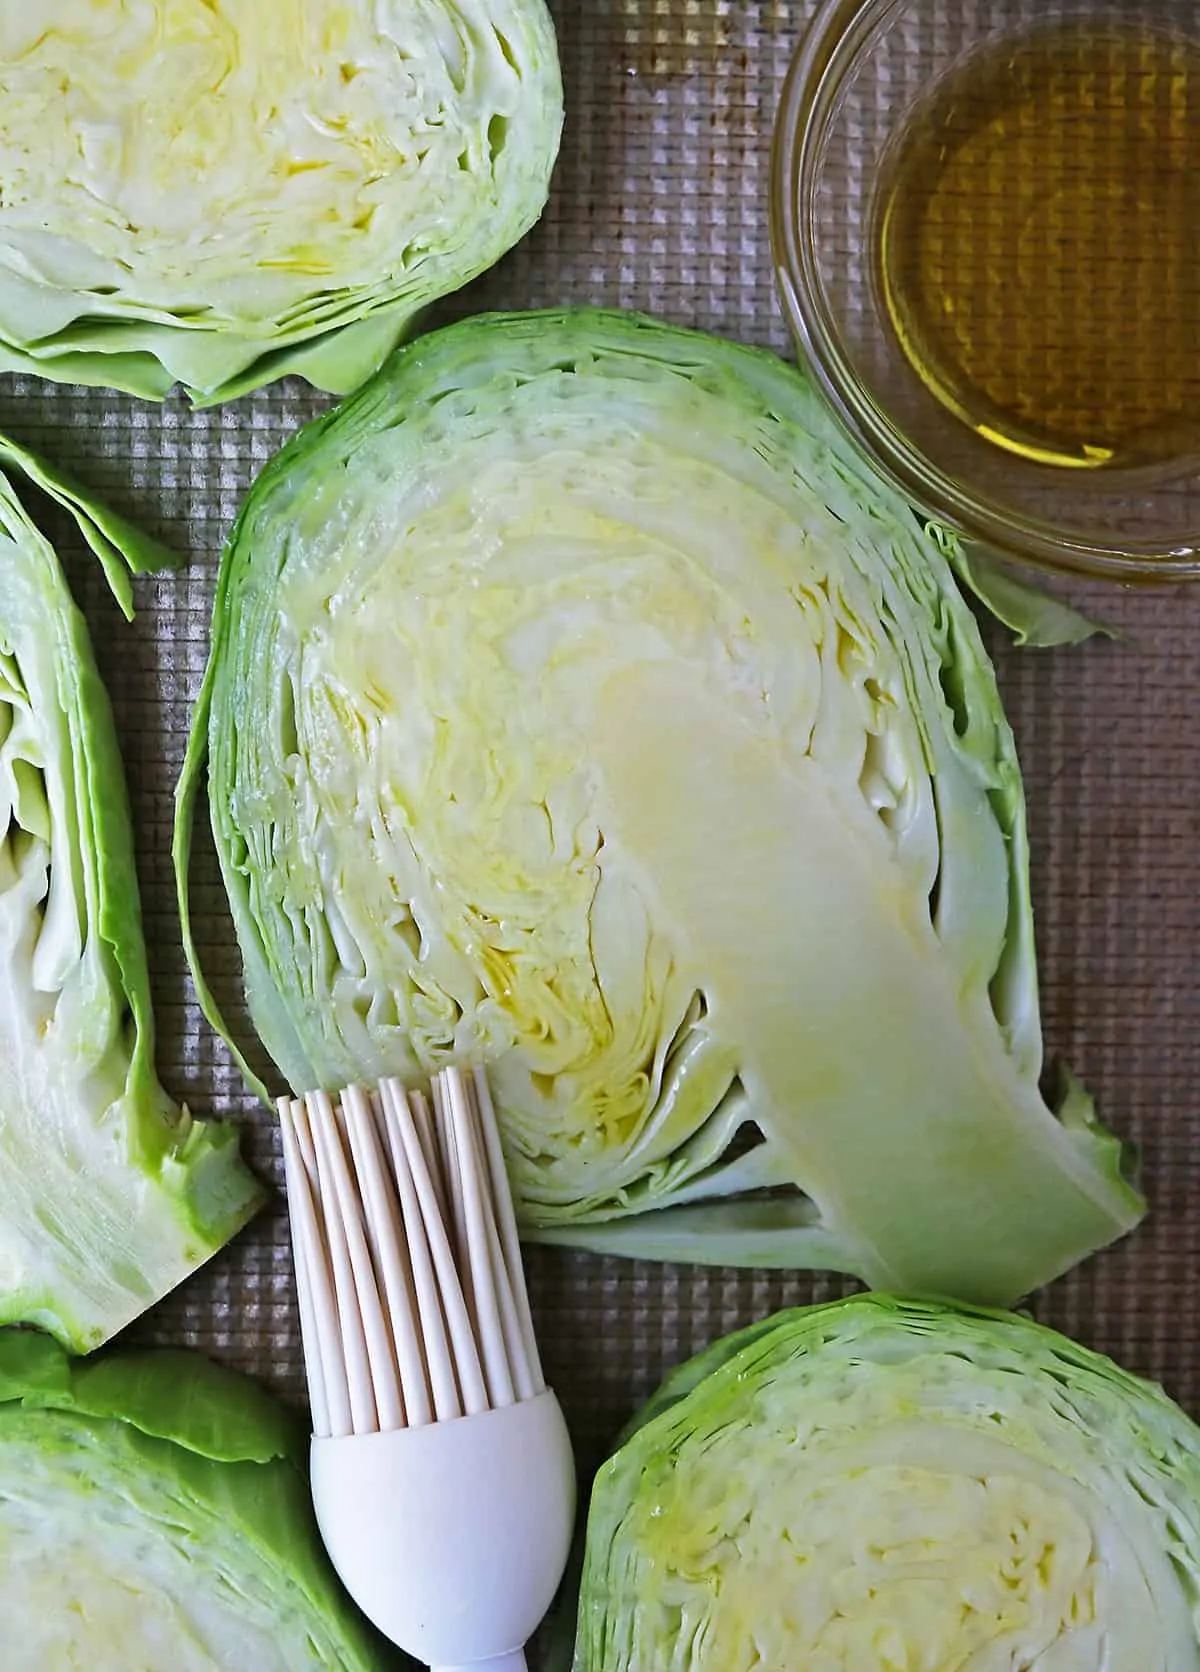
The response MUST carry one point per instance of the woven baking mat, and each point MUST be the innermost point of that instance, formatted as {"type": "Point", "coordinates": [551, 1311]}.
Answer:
{"type": "Point", "coordinates": [660, 202]}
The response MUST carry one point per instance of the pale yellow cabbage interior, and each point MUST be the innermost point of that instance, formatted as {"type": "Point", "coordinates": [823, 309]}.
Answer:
{"type": "Point", "coordinates": [448, 793]}
{"type": "Point", "coordinates": [588, 757]}
{"type": "Point", "coordinates": [91, 1577]}
{"type": "Point", "coordinates": [921, 1518]}
{"type": "Point", "coordinates": [234, 156]}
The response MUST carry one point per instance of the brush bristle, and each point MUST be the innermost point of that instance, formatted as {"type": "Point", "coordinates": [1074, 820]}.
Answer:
{"type": "Point", "coordinates": [413, 1304]}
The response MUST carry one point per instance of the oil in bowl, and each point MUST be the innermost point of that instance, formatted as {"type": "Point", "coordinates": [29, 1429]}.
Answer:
{"type": "Point", "coordinates": [1037, 244]}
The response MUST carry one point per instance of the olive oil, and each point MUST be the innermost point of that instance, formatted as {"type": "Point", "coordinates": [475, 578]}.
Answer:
{"type": "Point", "coordinates": [1037, 242]}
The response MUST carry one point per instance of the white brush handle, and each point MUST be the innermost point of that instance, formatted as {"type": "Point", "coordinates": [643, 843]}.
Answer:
{"type": "Point", "coordinates": [515, 1662]}
{"type": "Point", "coordinates": [453, 1537]}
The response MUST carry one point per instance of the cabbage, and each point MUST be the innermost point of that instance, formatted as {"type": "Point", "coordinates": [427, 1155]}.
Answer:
{"type": "Point", "coordinates": [882, 1485]}
{"type": "Point", "coordinates": [111, 1194]}
{"type": "Point", "coordinates": [580, 703]}
{"type": "Point", "coordinates": [153, 1516]}
{"type": "Point", "coordinates": [221, 195]}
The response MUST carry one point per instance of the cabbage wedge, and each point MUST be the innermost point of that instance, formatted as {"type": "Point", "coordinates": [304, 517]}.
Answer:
{"type": "Point", "coordinates": [221, 195]}
{"type": "Point", "coordinates": [581, 704]}
{"type": "Point", "coordinates": [888, 1486]}
{"type": "Point", "coordinates": [111, 1195]}
{"type": "Point", "coordinates": [154, 1515]}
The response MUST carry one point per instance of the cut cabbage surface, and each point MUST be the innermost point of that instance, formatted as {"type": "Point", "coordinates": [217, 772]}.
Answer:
{"type": "Point", "coordinates": [580, 703]}
{"type": "Point", "coordinates": [890, 1486]}
{"type": "Point", "coordinates": [222, 193]}
{"type": "Point", "coordinates": [111, 1194]}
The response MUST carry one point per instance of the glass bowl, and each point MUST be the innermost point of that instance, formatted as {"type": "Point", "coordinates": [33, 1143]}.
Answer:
{"type": "Point", "coordinates": [863, 70]}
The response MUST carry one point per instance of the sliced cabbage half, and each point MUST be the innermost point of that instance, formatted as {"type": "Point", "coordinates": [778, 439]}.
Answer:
{"type": "Point", "coordinates": [110, 1195]}
{"type": "Point", "coordinates": [887, 1486]}
{"type": "Point", "coordinates": [220, 195]}
{"type": "Point", "coordinates": [581, 704]}
{"type": "Point", "coordinates": [153, 1516]}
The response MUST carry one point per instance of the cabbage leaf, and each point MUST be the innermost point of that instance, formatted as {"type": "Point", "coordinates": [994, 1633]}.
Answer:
{"type": "Point", "coordinates": [112, 1195]}
{"type": "Point", "coordinates": [881, 1484]}
{"type": "Point", "coordinates": [153, 1515]}
{"type": "Point", "coordinates": [222, 195]}
{"type": "Point", "coordinates": [581, 703]}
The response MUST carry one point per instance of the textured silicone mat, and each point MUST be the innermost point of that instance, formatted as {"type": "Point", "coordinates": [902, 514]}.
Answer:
{"type": "Point", "coordinates": [660, 203]}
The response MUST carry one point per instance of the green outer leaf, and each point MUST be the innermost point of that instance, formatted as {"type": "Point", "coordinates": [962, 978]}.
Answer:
{"type": "Point", "coordinates": [123, 550]}
{"type": "Point", "coordinates": [1035, 617]}
{"type": "Point", "coordinates": [33, 1368]}
{"type": "Point", "coordinates": [194, 777]}
{"type": "Point", "coordinates": [192, 781]}
{"type": "Point", "coordinates": [168, 1393]}
{"type": "Point", "coordinates": [176, 1431]}
{"type": "Point", "coordinates": [336, 361]}
{"type": "Point", "coordinates": [134, 373]}
{"type": "Point", "coordinates": [188, 1191]}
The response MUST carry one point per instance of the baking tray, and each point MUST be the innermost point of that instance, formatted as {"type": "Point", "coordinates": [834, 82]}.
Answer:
{"type": "Point", "coordinates": [660, 203]}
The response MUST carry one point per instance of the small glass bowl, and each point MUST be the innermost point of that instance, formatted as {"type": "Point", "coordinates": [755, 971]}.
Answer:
{"type": "Point", "coordinates": [860, 72]}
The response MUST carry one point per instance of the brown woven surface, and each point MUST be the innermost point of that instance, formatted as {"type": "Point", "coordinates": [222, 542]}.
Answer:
{"type": "Point", "coordinates": [660, 203]}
